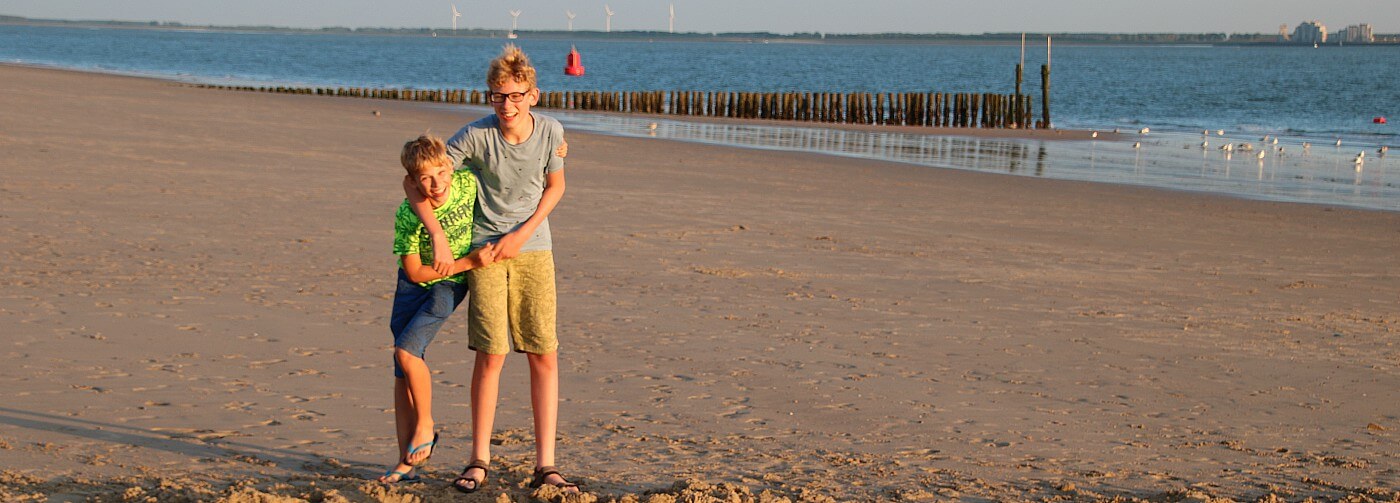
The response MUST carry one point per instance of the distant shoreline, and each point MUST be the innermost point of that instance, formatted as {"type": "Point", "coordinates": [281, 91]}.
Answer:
{"type": "Point", "coordinates": [1085, 38]}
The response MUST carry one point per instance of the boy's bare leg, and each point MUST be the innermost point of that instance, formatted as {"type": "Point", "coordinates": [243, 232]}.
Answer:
{"type": "Point", "coordinates": [420, 394]}
{"type": "Point", "coordinates": [404, 417]}
{"type": "Point", "coordinates": [544, 401]}
{"type": "Point", "coordinates": [486, 383]}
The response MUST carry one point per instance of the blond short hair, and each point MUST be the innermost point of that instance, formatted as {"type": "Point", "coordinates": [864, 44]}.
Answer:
{"type": "Point", "coordinates": [425, 152]}
{"type": "Point", "coordinates": [511, 66]}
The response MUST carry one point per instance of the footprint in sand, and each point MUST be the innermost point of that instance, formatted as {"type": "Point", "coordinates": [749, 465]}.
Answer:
{"type": "Point", "coordinates": [199, 434]}
{"type": "Point", "coordinates": [736, 408]}
{"type": "Point", "coordinates": [264, 363]}
{"type": "Point", "coordinates": [307, 415]}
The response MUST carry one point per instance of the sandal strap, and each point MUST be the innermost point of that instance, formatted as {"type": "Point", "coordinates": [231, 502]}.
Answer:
{"type": "Point", "coordinates": [478, 464]}
{"type": "Point", "coordinates": [544, 472]}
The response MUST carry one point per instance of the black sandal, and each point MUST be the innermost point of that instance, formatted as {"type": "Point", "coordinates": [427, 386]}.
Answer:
{"type": "Point", "coordinates": [544, 472]}
{"type": "Point", "coordinates": [479, 464]}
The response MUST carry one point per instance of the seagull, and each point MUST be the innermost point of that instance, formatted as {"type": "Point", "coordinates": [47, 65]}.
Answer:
{"type": "Point", "coordinates": [1261, 155]}
{"type": "Point", "coordinates": [376, 113]}
{"type": "Point", "coordinates": [1361, 154]}
{"type": "Point", "coordinates": [1205, 144]}
{"type": "Point", "coordinates": [1220, 132]}
{"type": "Point", "coordinates": [1384, 149]}
{"type": "Point", "coordinates": [1339, 142]}
{"type": "Point", "coordinates": [1275, 141]}
{"type": "Point", "coordinates": [1094, 134]}
{"type": "Point", "coordinates": [1143, 131]}
{"type": "Point", "coordinates": [1228, 147]}
{"type": "Point", "coordinates": [652, 126]}
{"type": "Point", "coordinates": [1306, 145]}
{"type": "Point", "coordinates": [1205, 133]}
{"type": "Point", "coordinates": [1116, 130]}
{"type": "Point", "coordinates": [1137, 144]}
{"type": "Point", "coordinates": [1265, 139]}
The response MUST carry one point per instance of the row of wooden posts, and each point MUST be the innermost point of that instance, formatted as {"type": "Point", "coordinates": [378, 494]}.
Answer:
{"type": "Point", "coordinates": [984, 110]}
{"type": "Point", "coordinates": [905, 109]}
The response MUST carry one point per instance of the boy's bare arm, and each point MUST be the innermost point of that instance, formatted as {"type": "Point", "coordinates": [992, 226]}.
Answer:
{"type": "Point", "coordinates": [509, 245]}
{"type": "Point", "coordinates": [442, 263]}
{"type": "Point", "coordinates": [480, 257]}
{"type": "Point", "coordinates": [416, 272]}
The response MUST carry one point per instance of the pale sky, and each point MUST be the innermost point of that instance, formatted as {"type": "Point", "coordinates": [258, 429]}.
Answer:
{"type": "Point", "coordinates": [778, 16]}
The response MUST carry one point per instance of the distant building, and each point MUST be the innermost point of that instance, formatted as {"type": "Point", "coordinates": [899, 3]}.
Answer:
{"type": "Point", "coordinates": [1357, 34]}
{"type": "Point", "coordinates": [1310, 32]}
{"type": "Point", "coordinates": [1283, 33]}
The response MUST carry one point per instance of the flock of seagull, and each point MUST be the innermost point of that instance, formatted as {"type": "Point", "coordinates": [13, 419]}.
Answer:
{"type": "Point", "coordinates": [1270, 143]}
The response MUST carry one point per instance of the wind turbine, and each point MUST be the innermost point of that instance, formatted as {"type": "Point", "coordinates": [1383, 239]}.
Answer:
{"type": "Point", "coordinates": [610, 15]}
{"type": "Point", "coordinates": [672, 26]}
{"type": "Point", "coordinates": [514, 21]}
{"type": "Point", "coordinates": [571, 19]}
{"type": "Point", "coordinates": [455, 15]}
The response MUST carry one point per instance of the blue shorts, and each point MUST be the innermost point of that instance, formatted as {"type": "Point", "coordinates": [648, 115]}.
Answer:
{"type": "Point", "coordinates": [419, 313]}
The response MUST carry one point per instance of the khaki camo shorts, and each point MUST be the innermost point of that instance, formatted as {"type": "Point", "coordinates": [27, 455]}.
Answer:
{"type": "Point", "coordinates": [512, 304]}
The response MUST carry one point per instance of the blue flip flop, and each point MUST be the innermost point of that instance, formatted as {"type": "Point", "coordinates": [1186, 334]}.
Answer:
{"type": "Point", "coordinates": [431, 446]}
{"type": "Point", "coordinates": [403, 477]}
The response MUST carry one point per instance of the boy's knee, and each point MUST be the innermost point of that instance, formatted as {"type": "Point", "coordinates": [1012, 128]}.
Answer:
{"type": "Point", "coordinates": [489, 361]}
{"type": "Point", "coordinates": [403, 357]}
{"type": "Point", "coordinates": [543, 363]}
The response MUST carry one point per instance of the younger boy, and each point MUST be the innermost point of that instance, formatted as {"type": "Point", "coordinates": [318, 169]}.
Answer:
{"type": "Point", "coordinates": [515, 155]}
{"type": "Point", "coordinates": [424, 298]}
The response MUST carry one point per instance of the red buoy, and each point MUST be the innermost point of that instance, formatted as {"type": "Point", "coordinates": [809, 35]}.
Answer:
{"type": "Point", "coordinates": [1378, 120]}
{"type": "Point", "coordinates": [574, 66]}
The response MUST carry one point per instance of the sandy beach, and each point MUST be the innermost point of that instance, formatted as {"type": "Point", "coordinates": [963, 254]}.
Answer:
{"type": "Point", "coordinates": [197, 287]}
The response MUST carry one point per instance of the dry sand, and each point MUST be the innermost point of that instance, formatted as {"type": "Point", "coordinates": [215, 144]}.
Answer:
{"type": "Point", "coordinates": [196, 287]}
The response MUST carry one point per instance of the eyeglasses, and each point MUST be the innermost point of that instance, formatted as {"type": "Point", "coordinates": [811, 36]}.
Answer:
{"type": "Point", "coordinates": [514, 97]}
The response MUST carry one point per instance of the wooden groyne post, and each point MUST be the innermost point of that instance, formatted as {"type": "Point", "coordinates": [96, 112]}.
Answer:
{"type": "Point", "coordinates": [1016, 103]}
{"type": "Point", "coordinates": [1045, 88]}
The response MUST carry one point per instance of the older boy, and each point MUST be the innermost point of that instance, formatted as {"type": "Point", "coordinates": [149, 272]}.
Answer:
{"type": "Point", "coordinates": [514, 154]}
{"type": "Point", "coordinates": [424, 298]}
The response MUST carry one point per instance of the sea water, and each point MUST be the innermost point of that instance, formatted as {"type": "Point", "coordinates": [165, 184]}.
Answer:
{"type": "Point", "coordinates": [1297, 94]}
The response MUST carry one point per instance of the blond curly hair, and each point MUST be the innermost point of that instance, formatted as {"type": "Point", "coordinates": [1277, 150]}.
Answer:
{"type": "Point", "coordinates": [511, 66]}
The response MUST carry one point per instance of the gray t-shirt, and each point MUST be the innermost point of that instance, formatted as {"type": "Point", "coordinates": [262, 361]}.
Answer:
{"type": "Point", "coordinates": [510, 178]}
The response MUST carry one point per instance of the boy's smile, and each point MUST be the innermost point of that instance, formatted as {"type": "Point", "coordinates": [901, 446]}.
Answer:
{"type": "Point", "coordinates": [514, 115]}
{"type": "Point", "coordinates": [435, 183]}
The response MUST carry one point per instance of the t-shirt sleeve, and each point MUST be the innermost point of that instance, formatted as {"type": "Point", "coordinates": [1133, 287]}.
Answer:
{"type": "Point", "coordinates": [461, 146]}
{"type": "Point", "coordinates": [556, 138]}
{"type": "Point", "coordinates": [406, 226]}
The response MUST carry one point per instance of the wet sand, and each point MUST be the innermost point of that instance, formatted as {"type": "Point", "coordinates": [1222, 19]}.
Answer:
{"type": "Point", "coordinates": [197, 284]}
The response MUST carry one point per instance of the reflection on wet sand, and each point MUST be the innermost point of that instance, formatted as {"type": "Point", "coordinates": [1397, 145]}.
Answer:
{"type": "Point", "coordinates": [1163, 160]}
{"type": "Point", "coordinates": [983, 154]}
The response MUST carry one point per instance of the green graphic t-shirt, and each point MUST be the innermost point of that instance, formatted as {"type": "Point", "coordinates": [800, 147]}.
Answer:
{"type": "Point", "coordinates": [455, 216]}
